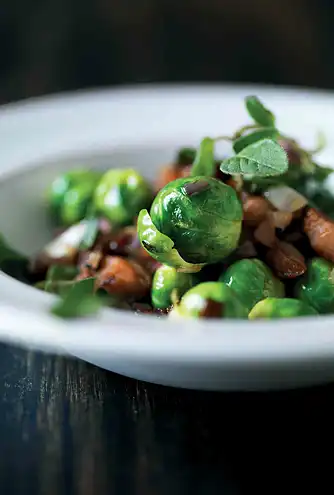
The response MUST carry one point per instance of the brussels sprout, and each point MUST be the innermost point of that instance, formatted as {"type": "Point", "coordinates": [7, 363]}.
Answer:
{"type": "Point", "coordinates": [121, 194]}
{"type": "Point", "coordinates": [252, 281]}
{"type": "Point", "coordinates": [70, 195]}
{"type": "Point", "coordinates": [317, 286]}
{"type": "Point", "coordinates": [273, 307]}
{"type": "Point", "coordinates": [210, 300]}
{"type": "Point", "coordinates": [194, 221]}
{"type": "Point", "coordinates": [166, 281]}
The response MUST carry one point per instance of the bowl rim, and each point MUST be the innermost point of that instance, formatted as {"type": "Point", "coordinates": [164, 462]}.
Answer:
{"type": "Point", "coordinates": [303, 338]}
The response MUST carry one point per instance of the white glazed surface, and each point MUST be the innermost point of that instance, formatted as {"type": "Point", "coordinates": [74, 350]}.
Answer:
{"type": "Point", "coordinates": [143, 127]}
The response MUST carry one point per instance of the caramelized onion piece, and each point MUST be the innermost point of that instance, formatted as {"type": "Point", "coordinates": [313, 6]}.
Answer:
{"type": "Point", "coordinates": [285, 198]}
{"type": "Point", "coordinates": [286, 260]}
{"type": "Point", "coordinates": [320, 231]}
{"type": "Point", "coordinates": [255, 209]}
{"type": "Point", "coordinates": [124, 277]}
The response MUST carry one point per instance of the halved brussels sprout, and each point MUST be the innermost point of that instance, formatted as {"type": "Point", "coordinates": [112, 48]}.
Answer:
{"type": "Point", "coordinates": [194, 221]}
{"type": "Point", "coordinates": [210, 300]}
{"type": "Point", "coordinates": [252, 281]}
{"type": "Point", "coordinates": [273, 307]}
{"type": "Point", "coordinates": [316, 288]}
{"type": "Point", "coordinates": [167, 281]}
{"type": "Point", "coordinates": [70, 195]}
{"type": "Point", "coordinates": [121, 194]}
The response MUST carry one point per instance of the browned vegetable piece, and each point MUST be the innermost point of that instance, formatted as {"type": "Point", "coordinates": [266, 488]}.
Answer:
{"type": "Point", "coordinates": [286, 260]}
{"type": "Point", "coordinates": [255, 209]}
{"type": "Point", "coordinates": [265, 233]}
{"type": "Point", "coordinates": [169, 173]}
{"type": "Point", "coordinates": [281, 219]}
{"type": "Point", "coordinates": [320, 231]}
{"type": "Point", "coordinates": [124, 277]}
{"type": "Point", "coordinates": [89, 262]}
{"type": "Point", "coordinates": [212, 309]}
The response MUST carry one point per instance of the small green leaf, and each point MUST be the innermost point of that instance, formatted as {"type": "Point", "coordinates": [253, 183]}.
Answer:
{"type": "Point", "coordinates": [259, 112]}
{"type": "Point", "coordinates": [261, 159]}
{"type": "Point", "coordinates": [91, 232]}
{"type": "Point", "coordinates": [244, 141]}
{"type": "Point", "coordinates": [60, 278]}
{"type": "Point", "coordinates": [80, 301]}
{"type": "Point", "coordinates": [186, 156]}
{"type": "Point", "coordinates": [204, 163]}
{"type": "Point", "coordinates": [160, 246]}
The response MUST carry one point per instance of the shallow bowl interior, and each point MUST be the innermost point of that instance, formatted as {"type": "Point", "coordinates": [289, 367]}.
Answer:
{"type": "Point", "coordinates": [143, 129]}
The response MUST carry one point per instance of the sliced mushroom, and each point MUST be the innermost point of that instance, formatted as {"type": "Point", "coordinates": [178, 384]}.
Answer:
{"type": "Point", "coordinates": [320, 231]}
{"type": "Point", "coordinates": [123, 277]}
{"type": "Point", "coordinates": [286, 260]}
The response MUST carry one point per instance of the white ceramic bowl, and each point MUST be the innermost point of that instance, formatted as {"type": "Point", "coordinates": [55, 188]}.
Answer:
{"type": "Point", "coordinates": [143, 127]}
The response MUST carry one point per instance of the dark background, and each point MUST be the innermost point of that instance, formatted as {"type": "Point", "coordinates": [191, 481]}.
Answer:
{"type": "Point", "coordinates": [54, 45]}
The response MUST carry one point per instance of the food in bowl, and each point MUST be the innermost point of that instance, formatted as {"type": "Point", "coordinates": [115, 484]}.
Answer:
{"type": "Point", "coordinates": [247, 236]}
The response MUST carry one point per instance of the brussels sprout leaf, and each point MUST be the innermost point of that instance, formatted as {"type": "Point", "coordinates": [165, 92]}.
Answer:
{"type": "Point", "coordinates": [244, 141]}
{"type": "Point", "coordinates": [259, 112]}
{"type": "Point", "coordinates": [160, 246]}
{"type": "Point", "coordinates": [204, 163]}
{"type": "Point", "coordinates": [261, 159]}
{"type": "Point", "coordinates": [81, 300]}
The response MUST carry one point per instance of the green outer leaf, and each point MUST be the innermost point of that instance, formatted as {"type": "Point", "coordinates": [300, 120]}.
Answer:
{"type": "Point", "coordinates": [89, 237]}
{"type": "Point", "coordinates": [160, 246]}
{"type": "Point", "coordinates": [259, 112]}
{"type": "Point", "coordinates": [261, 159]}
{"type": "Point", "coordinates": [204, 163]}
{"type": "Point", "coordinates": [79, 301]}
{"type": "Point", "coordinates": [244, 141]}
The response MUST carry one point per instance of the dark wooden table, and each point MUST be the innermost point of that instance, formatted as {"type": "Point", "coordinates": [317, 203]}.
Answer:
{"type": "Point", "coordinates": [70, 428]}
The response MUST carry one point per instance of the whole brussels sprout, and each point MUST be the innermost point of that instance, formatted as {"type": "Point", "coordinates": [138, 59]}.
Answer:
{"type": "Point", "coordinates": [166, 280]}
{"type": "Point", "coordinates": [316, 288]}
{"type": "Point", "coordinates": [69, 195]}
{"type": "Point", "coordinates": [193, 221]}
{"type": "Point", "coordinates": [210, 300]}
{"type": "Point", "coordinates": [273, 307]}
{"type": "Point", "coordinates": [252, 281]}
{"type": "Point", "coordinates": [121, 194]}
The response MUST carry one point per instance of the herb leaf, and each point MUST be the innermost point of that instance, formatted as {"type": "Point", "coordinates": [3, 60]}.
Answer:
{"type": "Point", "coordinates": [59, 278]}
{"type": "Point", "coordinates": [243, 141]}
{"type": "Point", "coordinates": [259, 112]}
{"type": "Point", "coordinates": [261, 159]}
{"type": "Point", "coordinates": [204, 163]}
{"type": "Point", "coordinates": [89, 237]}
{"type": "Point", "coordinates": [81, 300]}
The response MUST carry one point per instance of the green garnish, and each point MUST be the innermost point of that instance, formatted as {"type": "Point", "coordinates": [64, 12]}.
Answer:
{"type": "Point", "coordinates": [242, 142]}
{"type": "Point", "coordinates": [261, 159]}
{"type": "Point", "coordinates": [259, 113]}
{"type": "Point", "coordinates": [80, 300]}
{"type": "Point", "coordinates": [204, 163]}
